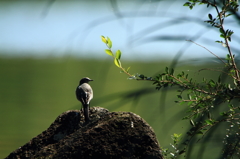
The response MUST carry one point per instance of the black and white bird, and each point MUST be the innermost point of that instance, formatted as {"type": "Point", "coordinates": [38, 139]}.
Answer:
{"type": "Point", "coordinates": [84, 94]}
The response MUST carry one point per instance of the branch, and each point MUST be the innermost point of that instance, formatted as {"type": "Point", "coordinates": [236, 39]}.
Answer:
{"type": "Point", "coordinates": [228, 46]}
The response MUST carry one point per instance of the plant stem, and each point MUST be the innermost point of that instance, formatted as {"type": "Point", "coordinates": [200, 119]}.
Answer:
{"type": "Point", "coordinates": [228, 46]}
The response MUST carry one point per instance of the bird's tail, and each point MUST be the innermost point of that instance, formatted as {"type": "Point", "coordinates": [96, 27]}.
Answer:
{"type": "Point", "coordinates": [86, 112]}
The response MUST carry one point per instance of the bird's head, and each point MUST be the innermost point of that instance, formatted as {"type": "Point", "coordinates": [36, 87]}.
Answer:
{"type": "Point", "coordinates": [85, 80]}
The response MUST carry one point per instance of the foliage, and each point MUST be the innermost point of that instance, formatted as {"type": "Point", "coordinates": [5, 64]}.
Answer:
{"type": "Point", "coordinates": [203, 98]}
{"type": "Point", "coordinates": [116, 57]}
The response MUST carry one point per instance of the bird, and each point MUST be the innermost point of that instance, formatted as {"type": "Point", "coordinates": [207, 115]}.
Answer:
{"type": "Point", "coordinates": [84, 94]}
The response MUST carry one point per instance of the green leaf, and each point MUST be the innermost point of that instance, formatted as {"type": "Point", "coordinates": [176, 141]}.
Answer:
{"type": "Point", "coordinates": [230, 33]}
{"type": "Point", "coordinates": [109, 52]}
{"type": "Point", "coordinates": [229, 38]}
{"type": "Point", "coordinates": [181, 152]}
{"type": "Point", "coordinates": [200, 132]}
{"type": "Point", "coordinates": [209, 122]}
{"type": "Point", "coordinates": [210, 16]}
{"type": "Point", "coordinates": [222, 35]}
{"type": "Point", "coordinates": [212, 83]}
{"type": "Point", "coordinates": [208, 21]}
{"type": "Point", "coordinates": [221, 30]}
{"type": "Point", "coordinates": [117, 62]}
{"type": "Point", "coordinates": [104, 39]}
{"type": "Point", "coordinates": [190, 103]}
{"type": "Point", "coordinates": [228, 15]}
{"type": "Point", "coordinates": [187, 4]}
{"type": "Point", "coordinates": [118, 54]}
{"type": "Point", "coordinates": [109, 42]}
{"type": "Point", "coordinates": [179, 96]}
{"type": "Point", "coordinates": [178, 135]}
{"type": "Point", "coordinates": [228, 57]}
{"type": "Point", "coordinates": [224, 114]}
{"type": "Point", "coordinates": [218, 41]}
{"type": "Point", "coordinates": [141, 76]}
{"type": "Point", "coordinates": [166, 70]}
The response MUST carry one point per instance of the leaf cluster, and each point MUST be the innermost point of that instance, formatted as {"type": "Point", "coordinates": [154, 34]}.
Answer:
{"type": "Point", "coordinates": [116, 56]}
{"type": "Point", "coordinates": [205, 97]}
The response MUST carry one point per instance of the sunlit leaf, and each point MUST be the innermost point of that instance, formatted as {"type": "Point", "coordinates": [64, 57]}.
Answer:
{"type": "Point", "coordinates": [117, 62]}
{"type": "Point", "coordinates": [177, 135]}
{"type": "Point", "coordinates": [109, 52]}
{"type": "Point", "coordinates": [118, 54]}
{"type": "Point", "coordinates": [109, 42]}
{"type": "Point", "coordinates": [104, 39]}
{"type": "Point", "coordinates": [192, 123]}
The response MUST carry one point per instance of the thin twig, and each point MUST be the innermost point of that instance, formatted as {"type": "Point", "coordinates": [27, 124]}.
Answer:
{"type": "Point", "coordinates": [208, 51]}
{"type": "Point", "coordinates": [218, 71]}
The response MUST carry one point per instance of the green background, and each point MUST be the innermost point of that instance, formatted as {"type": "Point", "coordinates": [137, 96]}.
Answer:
{"type": "Point", "coordinates": [35, 91]}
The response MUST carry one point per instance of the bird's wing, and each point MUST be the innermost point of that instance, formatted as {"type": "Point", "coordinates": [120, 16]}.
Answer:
{"type": "Point", "coordinates": [89, 94]}
{"type": "Point", "coordinates": [84, 93]}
